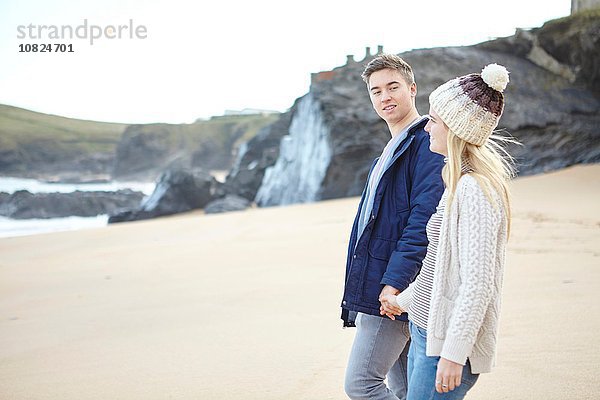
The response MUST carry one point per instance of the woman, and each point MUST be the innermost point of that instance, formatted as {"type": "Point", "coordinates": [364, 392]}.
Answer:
{"type": "Point", "coordinates": [453, 305]}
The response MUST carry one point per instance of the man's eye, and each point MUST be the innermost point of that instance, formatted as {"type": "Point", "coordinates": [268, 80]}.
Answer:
{"type": "Point", "coordinates": [394, 87]}
{"type": "Point", "coordinates": [376, 93]}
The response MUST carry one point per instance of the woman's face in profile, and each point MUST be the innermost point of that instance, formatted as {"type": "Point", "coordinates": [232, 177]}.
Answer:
{"type": "Point", "coordinates": [438, 134]}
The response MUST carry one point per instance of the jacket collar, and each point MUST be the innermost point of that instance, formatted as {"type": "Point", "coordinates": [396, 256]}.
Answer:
{"type": "Point", "coordinates": [397, 154]}
{"type": "Point", "coordinates": [409, 138]}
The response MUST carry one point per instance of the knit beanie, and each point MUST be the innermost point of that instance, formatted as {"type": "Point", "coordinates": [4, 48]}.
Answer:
{"type": "Point", "coordinates": [471, 105]}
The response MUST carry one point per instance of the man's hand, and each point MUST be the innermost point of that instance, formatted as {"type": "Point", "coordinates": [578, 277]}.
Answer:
{"type": "Point", "coordinates": [389, 306]}
{"type": "Point", "coordinates": [448, 375]}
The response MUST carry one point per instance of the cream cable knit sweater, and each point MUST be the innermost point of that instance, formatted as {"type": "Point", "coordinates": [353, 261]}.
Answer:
{"type": "Point", "coordinates": [467, 283]}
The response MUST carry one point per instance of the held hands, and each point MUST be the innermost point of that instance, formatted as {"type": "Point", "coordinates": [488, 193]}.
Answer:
{"type": "Point", "coordinates": [389, 306]}
{"type": "Point", "coordinates": [448, 375]}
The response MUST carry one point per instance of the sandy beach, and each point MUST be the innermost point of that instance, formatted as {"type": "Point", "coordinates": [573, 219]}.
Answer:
{"type": "Point", "coordinates": [245, 305]}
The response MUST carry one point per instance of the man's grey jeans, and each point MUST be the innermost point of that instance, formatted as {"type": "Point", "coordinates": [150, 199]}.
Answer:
{"type": "Point", "coordinates": [380, 349]}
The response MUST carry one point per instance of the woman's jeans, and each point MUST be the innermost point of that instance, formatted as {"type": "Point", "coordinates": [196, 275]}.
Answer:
{"type": "Point", "coordinates": [422, 371]}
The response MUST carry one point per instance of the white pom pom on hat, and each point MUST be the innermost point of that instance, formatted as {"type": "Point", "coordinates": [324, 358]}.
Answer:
{"type": "Point", "coordinates": [495, 76]}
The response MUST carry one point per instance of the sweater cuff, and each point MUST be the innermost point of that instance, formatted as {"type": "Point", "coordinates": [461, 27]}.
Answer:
{"type": "Point", "coordinates": [404, 299]}
{"type": "Point", "coordinates": [456, 350]}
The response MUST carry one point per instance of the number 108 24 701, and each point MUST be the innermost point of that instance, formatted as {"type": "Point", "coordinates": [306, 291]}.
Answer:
{"type": "Point", "coordinates": [45, 48]}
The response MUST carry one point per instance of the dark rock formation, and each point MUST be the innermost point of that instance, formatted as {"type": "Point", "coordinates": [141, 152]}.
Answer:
{"type": "Point", "coordinates": [228, 203]}
{"type": "Point", "coordinates": [552, 103]}
{"type": "Point", "coordinates": [34, 161]}
{"type": "Point", "coordinates": [177, 191]}
{"type": "Point", "coordinates": [144, 150]}
{"type": "Point", "coordinates": [214, 155]}
{"type": "Point", "coordinates": [575, 42]}
{"type": "Point", "coordinates": [254, 157]}
{"type": "Point", "coordinates": [4, 198]}
{"type": "Point", "coordinates": [23, 204]}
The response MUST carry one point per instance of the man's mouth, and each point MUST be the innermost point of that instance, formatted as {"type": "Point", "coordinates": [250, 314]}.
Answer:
{"type": "Point", "coordinates": [388, 108]}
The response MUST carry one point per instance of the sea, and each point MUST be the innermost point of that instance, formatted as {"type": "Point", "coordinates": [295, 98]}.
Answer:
{"type": "Point", "coordinates": [21, 227]}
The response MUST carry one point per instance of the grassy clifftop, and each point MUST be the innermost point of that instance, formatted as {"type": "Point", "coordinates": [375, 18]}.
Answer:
{"type": "Point", "coordinates": [35, 144]}
{"type": "Point", "coordinates": [20, 127]}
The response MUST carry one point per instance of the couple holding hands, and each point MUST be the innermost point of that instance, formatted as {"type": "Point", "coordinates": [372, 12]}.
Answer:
{"type": "Point", "coordinates": [427, 248]}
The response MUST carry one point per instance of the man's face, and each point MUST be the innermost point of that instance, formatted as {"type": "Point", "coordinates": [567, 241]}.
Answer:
{"type": "Point", "coordinates": [392, 97]}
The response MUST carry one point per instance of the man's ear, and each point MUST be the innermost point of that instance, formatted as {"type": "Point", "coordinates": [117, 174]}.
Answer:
{"type": "Point", "coordinates": [413, 89]}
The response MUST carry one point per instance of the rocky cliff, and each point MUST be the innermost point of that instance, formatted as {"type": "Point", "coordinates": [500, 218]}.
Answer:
{"type": "Point", "coordinates": [304, 156]}
{"type": "Point", "coordinates": [552, 107]}
{"type": "Point", "coordinates": [50, 147]}
{"type": "Point", "coordinates": [43, 146]}
{"type": "Point", "coordinates": [145, 151]}
{"type": "Point", "coordinates": [255, 156]}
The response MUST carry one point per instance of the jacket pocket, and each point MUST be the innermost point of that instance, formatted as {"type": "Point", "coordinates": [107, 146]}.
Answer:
{"type": "Point", "coordinates": [379, 252]}
{"type": "Point", "coordinates": [381, 249]}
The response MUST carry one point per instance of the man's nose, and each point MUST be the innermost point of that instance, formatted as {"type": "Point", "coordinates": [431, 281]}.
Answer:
{"type": "Point", "coordinates": [385, 96]}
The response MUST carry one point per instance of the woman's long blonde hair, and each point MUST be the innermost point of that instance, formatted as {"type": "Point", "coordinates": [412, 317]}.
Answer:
{"type": "Point", "coordinates": [490, 164]}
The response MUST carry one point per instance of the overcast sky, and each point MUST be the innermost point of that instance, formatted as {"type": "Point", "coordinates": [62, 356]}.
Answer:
{"type": "Point", "coordinates": [200, 58]}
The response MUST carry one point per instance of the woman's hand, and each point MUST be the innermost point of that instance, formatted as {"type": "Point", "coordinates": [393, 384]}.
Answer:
{"type": "Point", "coordinates": [448, 375]}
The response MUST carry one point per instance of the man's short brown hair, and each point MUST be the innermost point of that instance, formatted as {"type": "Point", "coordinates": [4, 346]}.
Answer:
{"type": "Point", "coordinates": [390, 61]}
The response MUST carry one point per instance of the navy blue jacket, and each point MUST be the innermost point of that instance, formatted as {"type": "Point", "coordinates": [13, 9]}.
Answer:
{"type": "Point", "coordinates": [394, 242]}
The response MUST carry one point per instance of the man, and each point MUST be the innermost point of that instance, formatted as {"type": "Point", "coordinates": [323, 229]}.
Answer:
{"type": "Point", "coordinates": [388, 240]}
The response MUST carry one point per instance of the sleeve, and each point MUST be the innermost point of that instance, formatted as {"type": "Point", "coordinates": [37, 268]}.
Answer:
{"type": "Point", "coordinates": [478, 227]}
{"type": "Point", "coordinates": [404, 299]}
{"type": "Point", "coordinates": [427, 188]}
